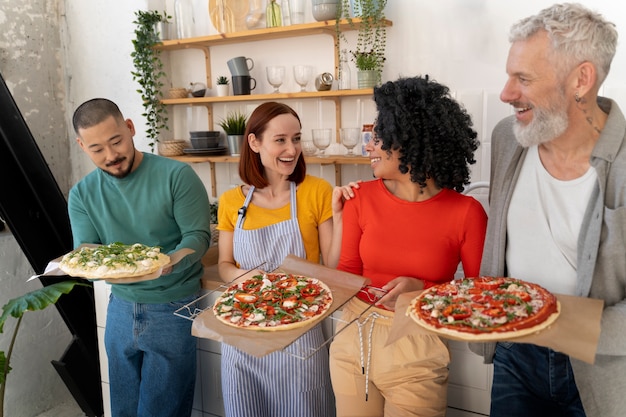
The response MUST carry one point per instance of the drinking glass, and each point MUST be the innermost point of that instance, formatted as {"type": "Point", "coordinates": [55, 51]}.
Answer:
{"type": "Point", "coordinates": [321, 139]}
{"type": "Point", "coordinates": [275, 75]}
{"type": "Point", "coordinates": [302, 74]}
{"type": "Point", "coordinates": [350, 137]}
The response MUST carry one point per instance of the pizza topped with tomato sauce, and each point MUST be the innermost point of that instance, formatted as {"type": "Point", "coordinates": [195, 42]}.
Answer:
{"type": "Point", "coordinates": [485, 308]}
{"type": "Point", "coordinates": [273, 301]}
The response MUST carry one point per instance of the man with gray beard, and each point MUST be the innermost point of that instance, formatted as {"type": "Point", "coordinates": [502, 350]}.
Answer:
{"type": "Point", "coordinates": [558, 210]}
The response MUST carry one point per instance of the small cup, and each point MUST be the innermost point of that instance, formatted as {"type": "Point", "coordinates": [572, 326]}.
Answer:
{"type": "Point", "coordinates": [243, 85]}
{"type": "Point", "coordinates": [240, 66]}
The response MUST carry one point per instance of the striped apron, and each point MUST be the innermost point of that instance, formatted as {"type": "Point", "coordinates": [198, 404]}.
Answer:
{"type": "Point", "coordinates": [278, 384]}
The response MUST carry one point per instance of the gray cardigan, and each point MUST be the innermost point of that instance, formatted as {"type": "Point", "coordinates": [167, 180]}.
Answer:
{"type": "Point", "coordinates": [601, 254]}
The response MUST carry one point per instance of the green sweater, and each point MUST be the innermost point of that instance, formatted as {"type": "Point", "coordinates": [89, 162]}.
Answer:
{"type": "Point", "coordinates": [162, 203]}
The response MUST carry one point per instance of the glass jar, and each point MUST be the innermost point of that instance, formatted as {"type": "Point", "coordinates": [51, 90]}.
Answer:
{"type": "Point", "coordinates": [255, 19]}
{"type": "Point", "coordinates": [324, 81]}
{"type": "Point", "coordinates": [366, 136]}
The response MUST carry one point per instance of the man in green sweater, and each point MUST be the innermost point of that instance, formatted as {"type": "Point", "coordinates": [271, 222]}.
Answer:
{"type": "Point", "coordinates": [136, 197]}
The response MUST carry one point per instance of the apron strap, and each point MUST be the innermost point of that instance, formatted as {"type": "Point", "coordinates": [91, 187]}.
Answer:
{"type": "Point", "coordinates": [242, 211]}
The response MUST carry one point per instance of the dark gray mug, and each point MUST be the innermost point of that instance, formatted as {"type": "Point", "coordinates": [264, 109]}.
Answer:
{"type": "Point", "coordinates": [240, 65]}
{"type": "Point", "coordinates": [243, 84]}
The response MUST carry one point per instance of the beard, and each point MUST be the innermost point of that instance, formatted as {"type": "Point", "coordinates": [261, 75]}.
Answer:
{"type": "Point", "coordinates": [546, 125]}
{"type": "Point", "coordinates": [123, 173]}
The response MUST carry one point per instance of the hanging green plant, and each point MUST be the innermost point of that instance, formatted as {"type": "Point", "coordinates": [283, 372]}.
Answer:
{"type": "Point", "coordinates": [149, 71]}
{"type": "Point", "coordinates": [369, 53]}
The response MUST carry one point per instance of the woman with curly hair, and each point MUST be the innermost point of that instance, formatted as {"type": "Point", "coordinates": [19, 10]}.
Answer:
{"type": "Point", "coordinates": [406, 230]}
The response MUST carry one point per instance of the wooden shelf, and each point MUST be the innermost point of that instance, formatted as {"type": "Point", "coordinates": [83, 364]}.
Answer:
{"type": "Point", "coordinates": [323, 160]}
{"type": "Point", "coordinates": [331, 94]}
{"type": "Point", "coordinates": [336, 160]}
{"type": "Point", "coordinates": [281, 32]}
{"type": "Point", "coordinates": [205, 43]}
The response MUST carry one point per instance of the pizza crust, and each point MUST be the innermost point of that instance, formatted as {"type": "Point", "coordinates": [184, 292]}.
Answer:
{"type": "Point", "coordinates": [115, 271]}
{"type": "Point", "coordinates": [484, 309]}
{"type": "Point", "coordinates": [483, 337]}
{"type": "Point", "coordinates": [325, 306]}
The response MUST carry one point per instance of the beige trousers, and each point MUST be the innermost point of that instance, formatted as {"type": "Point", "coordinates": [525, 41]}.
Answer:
{"type": "Point", "coordinates": [406, 378]}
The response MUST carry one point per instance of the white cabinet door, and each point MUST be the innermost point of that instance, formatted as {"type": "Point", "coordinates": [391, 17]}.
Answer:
{"type": "Point", "coordinates": [469, 385]}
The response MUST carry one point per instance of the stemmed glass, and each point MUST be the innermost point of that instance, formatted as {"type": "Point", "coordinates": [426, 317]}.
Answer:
{"type": "Point", "coordinates": [302, 74]}
{"type": "Point", "coordinates": [350, 138]}
{"type": "Point", "coordinates": [275, 76]}
{"type": "Point", "coordinates": [321, 139]}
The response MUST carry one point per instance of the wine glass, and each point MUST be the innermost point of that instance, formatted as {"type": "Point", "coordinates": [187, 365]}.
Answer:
{"type": "Point", "coordinates": [302, 74]}
{"type": "Point", "coordinates": [350, 138]}
{"type": "Point", "coordinates": [275, 75]}
{"type": "Point", "coordinates": [321, 139]}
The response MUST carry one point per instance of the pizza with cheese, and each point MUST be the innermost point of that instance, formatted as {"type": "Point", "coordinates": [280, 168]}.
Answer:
{"type": "Point", "coordinates": [113, 261]}
{"type": "Point", "coordinates": [485, 308]}
{"type": "Point", "coordinates": [273, 302]}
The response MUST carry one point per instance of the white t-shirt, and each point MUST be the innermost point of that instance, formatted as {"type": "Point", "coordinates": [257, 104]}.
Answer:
{"type": "Point", "coordinates": [543, 224]}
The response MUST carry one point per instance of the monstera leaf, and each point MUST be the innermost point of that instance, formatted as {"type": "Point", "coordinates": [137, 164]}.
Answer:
{"type": "Point", "coordinates": [35, 300]}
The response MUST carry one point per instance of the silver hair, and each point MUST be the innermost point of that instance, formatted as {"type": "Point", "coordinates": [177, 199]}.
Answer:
{"type": "Point", "coordinates": [577, 35]}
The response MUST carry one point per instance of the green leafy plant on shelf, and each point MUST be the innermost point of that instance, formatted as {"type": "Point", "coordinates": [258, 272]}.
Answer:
{"type": "Point", "coordinates": [149, 71]}
{"type": "Point", "coordinates": [35, 300]}
{"type": "Point", "coordinates": [234, 123]}
{"type": "Point", "coordinates": [369, 52]}
{"type": "Point", "coordinates": [222, 80]}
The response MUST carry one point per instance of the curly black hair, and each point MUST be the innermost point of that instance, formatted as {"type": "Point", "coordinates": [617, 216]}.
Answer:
{"type": "Point", "coordinates": [432, 132]}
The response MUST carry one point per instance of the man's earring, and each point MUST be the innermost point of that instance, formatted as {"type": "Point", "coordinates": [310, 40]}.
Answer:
{"type": "Point", "coordinates": [577, 97]}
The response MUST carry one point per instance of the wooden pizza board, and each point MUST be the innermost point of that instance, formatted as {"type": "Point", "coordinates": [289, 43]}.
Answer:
{"type": "Point", "coordinates": [575, 332]}
{"type": "Point", "coordinates": [259, 343]}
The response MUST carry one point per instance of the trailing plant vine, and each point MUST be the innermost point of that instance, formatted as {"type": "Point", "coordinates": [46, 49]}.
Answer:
{"type": "Point", "coordinates": [369, 53]}
{"type": "Point", "coordinates": [149, 71]}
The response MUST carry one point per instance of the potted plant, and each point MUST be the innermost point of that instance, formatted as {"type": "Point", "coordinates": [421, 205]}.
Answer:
{"type": "Point", "coordinates": [234, 125]}
{"type": "Point", "coordinates": [149, 71]}
{"type": "Point", "coordinates": [222, 86]}
{"type": "Point", "coordinates": [369, 54]}
{"type": "Point", "coordinates": [35, 300]}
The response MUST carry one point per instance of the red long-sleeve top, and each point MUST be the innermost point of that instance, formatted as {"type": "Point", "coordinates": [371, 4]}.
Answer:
{"type": "Point", "coordinates": [385, 237]}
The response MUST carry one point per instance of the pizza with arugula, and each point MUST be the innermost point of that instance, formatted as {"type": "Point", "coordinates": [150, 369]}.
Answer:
{"type": "Point", "coordinates": [113, 261]}
{"type": "Point", "coordinates": [273, 302]}
{"type": "Point", "coordinates": [485, 308]}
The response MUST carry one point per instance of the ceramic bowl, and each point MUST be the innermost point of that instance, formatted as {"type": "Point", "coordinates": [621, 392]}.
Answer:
{"type": "Point", "coordinates": [324, 11]}
{"type": "Point", "coordinates": [205, 142]}
{"type": "Point", "coordinates": [204, 133]}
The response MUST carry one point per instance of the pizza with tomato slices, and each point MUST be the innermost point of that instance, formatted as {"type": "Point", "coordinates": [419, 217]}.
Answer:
{"type": "Point", "coordinates": [485, 308]}
{"type": "Point", "coordinates": [273, 301]}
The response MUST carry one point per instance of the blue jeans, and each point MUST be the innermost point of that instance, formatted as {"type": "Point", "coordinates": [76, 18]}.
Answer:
{"type": "Point", "coordinates": [530, 380]}
{"type": "Point", "coordinates": [152, 359]}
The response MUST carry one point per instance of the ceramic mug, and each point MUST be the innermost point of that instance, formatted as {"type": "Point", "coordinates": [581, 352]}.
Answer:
{"type": "Point", "coordinates": [243, 84]}
{"type": "Point", "coordinates": [240, 65]}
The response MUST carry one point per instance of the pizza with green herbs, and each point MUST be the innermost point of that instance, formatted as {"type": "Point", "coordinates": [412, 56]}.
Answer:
{"type": "Point", "coordinates": [273, 302]}
{"type": "Point", "coordinates": [485, 308]}
{"type": "Point", "coordinates": [113, 261]}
